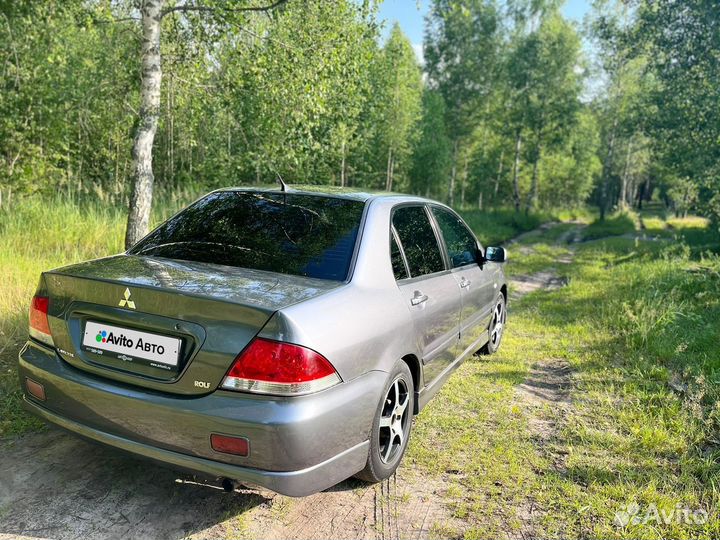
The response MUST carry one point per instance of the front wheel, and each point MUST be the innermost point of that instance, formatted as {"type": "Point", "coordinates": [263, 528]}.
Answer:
{"type": "Point", "coordinates": [391, 426]}
{"type": "Point", "coordinates": [497, 326]}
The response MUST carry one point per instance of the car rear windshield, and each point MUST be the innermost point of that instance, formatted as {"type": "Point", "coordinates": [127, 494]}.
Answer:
{"type": "Point", "coordinates": [306, 235]}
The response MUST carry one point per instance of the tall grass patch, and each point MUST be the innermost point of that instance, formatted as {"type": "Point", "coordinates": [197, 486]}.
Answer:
{"type": "Point", "coordinates": [38, 235]}
{"type": "Point", "coordinates": [615, 225]}
{"type": "Point", "coordinates": [499, 225]}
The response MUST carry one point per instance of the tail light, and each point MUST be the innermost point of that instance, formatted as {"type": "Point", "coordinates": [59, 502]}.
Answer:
{"type": "Point", "coordinates": [39, 325]}
{"type": "Point", "coordinates": [273, 367]}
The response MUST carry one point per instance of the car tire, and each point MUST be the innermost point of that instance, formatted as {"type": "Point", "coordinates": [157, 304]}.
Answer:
{"type": "Point", "coordinates": [390, 435]}
{"type": "Point", "coordinates": [495, 332]}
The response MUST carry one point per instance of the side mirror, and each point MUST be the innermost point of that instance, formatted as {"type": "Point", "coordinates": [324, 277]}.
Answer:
{"type": "Point", "coordinates": [496, 254]}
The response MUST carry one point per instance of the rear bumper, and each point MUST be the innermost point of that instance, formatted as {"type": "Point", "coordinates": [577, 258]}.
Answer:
{"type": "Point", "coordinates": [298, 445]}
{"type": "Point", "coordinates": [292, 483]}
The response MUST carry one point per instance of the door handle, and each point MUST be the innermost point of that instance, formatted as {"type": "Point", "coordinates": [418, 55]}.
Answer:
{"type": "Point", "coordinates": [418, 298]}
{"type": "Point", "coordinates": [464, 283]}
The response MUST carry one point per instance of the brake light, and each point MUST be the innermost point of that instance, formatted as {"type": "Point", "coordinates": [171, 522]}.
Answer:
{"type": "Point", "coordinates": [39, 325]}
{"type": "Point", "coordinates": [274, 367]}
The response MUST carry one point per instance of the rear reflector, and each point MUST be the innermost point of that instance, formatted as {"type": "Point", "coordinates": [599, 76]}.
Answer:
{"type": "Point", "coordinates": [39, 327]}
{"type": "Point", "coordinates": [238, 446]}
{"type": "Point", "coordinates": [35, 389]}
{"type": "Point", "coordinates": [274, 367]}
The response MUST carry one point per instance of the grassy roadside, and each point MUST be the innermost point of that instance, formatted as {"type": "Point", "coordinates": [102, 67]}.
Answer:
{"type": "Point", "coordinates": [636, 325]}
{"type": "Point", "coordinates": [496, 226]}
{"type": "Point", "coordinates": [35, 236]}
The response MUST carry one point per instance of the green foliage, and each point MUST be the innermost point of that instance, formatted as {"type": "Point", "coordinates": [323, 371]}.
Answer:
{"type": "Point", "coordinates": [569, 169]}
{"type": "Point", "coordinates": [286, 97]}
{"type": "Point", "coordinates": [309, 92]}
{"type": "Point", "coordinates": [398, 95]}
{"type": "Point", "coordinates": [661, 61]}
{"type": "Point", "coordinates": [69, 87]}
{"type": "Point", "coordinates": [432, 154]}
{"type": "Point", "coordinates": [682, 46]}
{"type": "Point", "coordinates": [462, 60]}
{"type": "Point", "coordinates": [462, 40]}
{"type": "Point", "coordinates": [511, 84]}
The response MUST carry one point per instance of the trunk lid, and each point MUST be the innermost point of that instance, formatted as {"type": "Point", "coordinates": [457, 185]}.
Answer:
{"type": "Point", "coordinates": [202, 315]}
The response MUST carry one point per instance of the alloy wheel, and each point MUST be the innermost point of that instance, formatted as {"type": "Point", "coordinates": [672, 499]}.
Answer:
{"type": "Point", "coordinates": [393, 421]}
{"type": "Point", "coordinates": [498, 323]}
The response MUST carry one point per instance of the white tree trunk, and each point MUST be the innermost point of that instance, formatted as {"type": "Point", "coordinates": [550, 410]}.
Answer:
{"type": "Point", "coordinates": [533, 198]}
{"type": "Point", "coordinates": [624, 179]}
{"type": "Point", "coordinates": [342, 166]}
{"type": "Point", "coordinates": [453, 172]}
{"type": "Point", "coordinates": [499, 174]}
{"type": "Point", "coordinates": [389, 172]}
{"type": "Point", "coordinates": [142, 189]}
{"type": "Point", "coordinates": [516, 171]}
{"type": "Point", "coordinates": [463, 184]}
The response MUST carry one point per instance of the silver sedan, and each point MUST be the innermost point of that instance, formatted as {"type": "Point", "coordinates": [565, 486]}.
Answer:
{"type": "Point", "coordinates": [278, 338]}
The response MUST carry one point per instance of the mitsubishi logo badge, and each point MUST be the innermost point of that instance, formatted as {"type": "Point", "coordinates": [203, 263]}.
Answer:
{"type": "Point", "coordinates": [126, 301]}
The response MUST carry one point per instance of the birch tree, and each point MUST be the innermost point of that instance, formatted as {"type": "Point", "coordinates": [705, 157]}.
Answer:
{"type": "Point", "coordinates": [152, 13]}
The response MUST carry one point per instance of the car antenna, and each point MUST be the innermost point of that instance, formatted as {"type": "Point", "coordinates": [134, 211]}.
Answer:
{"type": "Point", "coordinates": [283, 186]}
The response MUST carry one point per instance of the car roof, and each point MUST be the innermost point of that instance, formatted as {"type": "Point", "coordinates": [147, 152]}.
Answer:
{"type": "Point", "coordinates": [333, 191]}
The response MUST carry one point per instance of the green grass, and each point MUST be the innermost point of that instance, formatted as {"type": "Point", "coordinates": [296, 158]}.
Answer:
{"type": "Point", "coordinates": [615, 225]}
{"type": "Point", "coordinates": [654, 224]}
{"type": "Point", "coordinates": [637, 325]}
{"type": "Point", "coordinates": [690, 222]}
{"type": "Point", "coordinates": [582, 214]}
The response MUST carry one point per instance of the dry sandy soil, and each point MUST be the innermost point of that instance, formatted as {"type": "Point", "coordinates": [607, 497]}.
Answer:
{"type": "Point", "coordinates": [53, 485]}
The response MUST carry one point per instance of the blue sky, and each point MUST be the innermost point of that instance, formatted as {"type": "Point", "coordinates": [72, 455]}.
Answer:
{"type": "Point", "coordinates": [411, 13]}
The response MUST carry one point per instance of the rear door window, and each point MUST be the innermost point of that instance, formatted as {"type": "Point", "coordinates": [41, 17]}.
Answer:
{"type": "Point", "coordinates": [418, 240]}
{"type": "Point", "coordinates": [291, 233]}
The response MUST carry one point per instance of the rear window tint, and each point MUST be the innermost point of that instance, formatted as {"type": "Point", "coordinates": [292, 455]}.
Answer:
{"type": "Point", "coordinates": [306, 235]}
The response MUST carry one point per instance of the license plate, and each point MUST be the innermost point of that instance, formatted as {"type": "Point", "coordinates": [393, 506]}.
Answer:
{"type": "Point", "coordinates": [131, 345]}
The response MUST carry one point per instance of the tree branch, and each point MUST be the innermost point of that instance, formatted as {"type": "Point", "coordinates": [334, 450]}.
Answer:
{"type": "Point", "coordinates": [113, 21]}
{"type": "Point", "coordinates": [186, 7]}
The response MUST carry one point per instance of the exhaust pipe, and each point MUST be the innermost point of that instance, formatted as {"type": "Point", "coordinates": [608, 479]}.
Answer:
{"type": "Point", "coordinates": [228, 485]}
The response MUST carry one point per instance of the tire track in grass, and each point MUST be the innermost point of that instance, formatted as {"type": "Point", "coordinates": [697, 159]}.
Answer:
{"type": "Point", "coordinates": [544, 396]}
